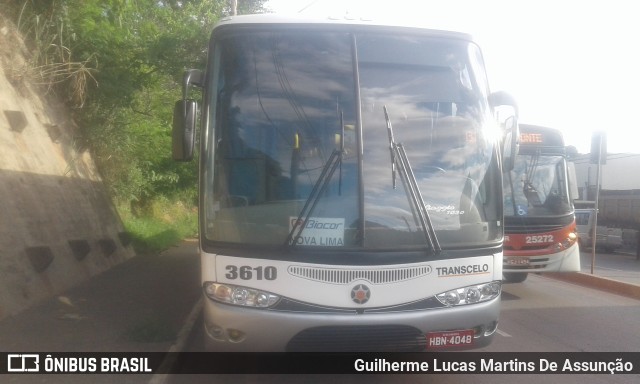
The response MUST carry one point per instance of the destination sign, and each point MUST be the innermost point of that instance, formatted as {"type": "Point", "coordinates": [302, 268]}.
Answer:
{"type": "Point", "coordinates": [526, 138]}
{"type": "Point", "coordinates": [533, 135]}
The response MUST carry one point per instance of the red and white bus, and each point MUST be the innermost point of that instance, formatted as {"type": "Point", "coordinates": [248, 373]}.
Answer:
{"type": "Point", "coordinates": [540, 226]}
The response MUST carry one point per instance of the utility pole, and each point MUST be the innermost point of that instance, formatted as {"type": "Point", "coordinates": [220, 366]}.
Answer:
{"type": "Point", "coordinates": [234, 7]}
{"type": "Point", "coordinates": [598, 147]}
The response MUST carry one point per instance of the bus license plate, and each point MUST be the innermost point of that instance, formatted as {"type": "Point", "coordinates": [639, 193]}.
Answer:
{"type": "Point", "coordinates": [518, 261]}
{"type": "Point", "coordinates": [448, 339]}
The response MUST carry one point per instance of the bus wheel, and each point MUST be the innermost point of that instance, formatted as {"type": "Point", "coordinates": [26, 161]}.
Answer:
{"type": "Point", "coordinates": [514, 277]}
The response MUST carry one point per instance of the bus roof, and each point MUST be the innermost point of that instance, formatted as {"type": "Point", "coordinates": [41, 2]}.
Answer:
{"type": "Point", "coordinates": [347, 20]}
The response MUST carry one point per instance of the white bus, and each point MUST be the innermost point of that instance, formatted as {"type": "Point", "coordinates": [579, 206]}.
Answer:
{"type": "Point", "coordinates": [350, 187]}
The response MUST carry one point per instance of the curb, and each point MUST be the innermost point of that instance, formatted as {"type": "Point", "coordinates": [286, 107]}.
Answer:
{"type": "Point", "coordinates": [181, 340]}
{"type": "Point", "coordinates": [597, 282]}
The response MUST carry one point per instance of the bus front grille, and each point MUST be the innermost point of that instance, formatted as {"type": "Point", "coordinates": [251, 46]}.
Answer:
{"type": "Point", "coordinates": [372, 338]}
{"type": "Point", "coordinates": [346, 276]}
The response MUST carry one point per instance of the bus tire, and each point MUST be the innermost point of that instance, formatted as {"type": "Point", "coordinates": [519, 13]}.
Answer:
{"type": "Point", "coordinates": [515, 277]}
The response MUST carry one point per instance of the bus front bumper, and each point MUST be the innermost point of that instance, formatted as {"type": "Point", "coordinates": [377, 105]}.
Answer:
{"type": "Point", "coordinates": [564, 261]}
{"type": "Point", "coordinates": [237, 329]}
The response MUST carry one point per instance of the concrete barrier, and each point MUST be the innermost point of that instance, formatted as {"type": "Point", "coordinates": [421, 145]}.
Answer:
{"type": "Point", "coordinates": [57, 224]}
{"type": "Point", "coordinates": [599, 282]}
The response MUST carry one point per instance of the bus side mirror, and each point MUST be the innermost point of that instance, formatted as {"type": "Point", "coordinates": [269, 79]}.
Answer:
{"type": "Point", "coordinates": [573, 184]}
{"type": "Point", "coordinates": [500, 99]}
{"type": "Point", "coordinates": [511, 131]}
{"type": "Point", "coordinates": [510, 144]}
{"type": "Point", "coordinates": [184, 118]}
{"type": "Point", "coordinates": [184, 128]}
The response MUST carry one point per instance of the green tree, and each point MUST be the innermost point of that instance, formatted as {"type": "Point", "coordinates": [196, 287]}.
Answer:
{"type": "Point", "coordinates": [119, 65]}
{"type": "Point", "coordinates": [132, 53]}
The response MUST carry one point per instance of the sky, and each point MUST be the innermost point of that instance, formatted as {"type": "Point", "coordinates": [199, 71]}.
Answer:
{"type": "Point", "coordinates": [571, 65]}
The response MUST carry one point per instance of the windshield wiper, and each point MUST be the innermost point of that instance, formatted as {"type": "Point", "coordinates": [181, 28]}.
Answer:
{"type": "Point", "coordinates": [529, 190]}
{"type": "Point", "coordinates": [399, 158]}
{"type": "Point", "coordinates": [318, 189]}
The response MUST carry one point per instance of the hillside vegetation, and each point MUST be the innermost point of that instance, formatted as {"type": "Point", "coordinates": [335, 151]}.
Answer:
{"type": "Point", "coordinates": [118, 64]}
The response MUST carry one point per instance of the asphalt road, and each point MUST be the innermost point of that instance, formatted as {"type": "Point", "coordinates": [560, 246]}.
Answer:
{"type": "Point", "coordinates": [539, 315]}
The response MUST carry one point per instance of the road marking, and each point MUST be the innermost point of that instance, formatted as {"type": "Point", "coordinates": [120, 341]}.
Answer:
{"type": "Point", "coordinates": [502, 333]}
{"type": "Point", "coordinates": [178, 346]}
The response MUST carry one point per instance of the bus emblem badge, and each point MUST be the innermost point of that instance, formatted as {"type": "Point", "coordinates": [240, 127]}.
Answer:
{"type": "Point", "coordinates": [360, 294]}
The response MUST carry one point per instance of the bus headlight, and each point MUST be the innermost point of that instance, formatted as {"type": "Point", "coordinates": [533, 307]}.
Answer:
{"type": "Point", "coordinates": [233, 294]}
{"type": "Point", "coordinates": [567, 242]}
{"type": "Point", "coordinates": [471, 294]}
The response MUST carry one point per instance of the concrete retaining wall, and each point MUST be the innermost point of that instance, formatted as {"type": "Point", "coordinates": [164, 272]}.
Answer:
{"type": "Point", "coordinates": [57, 225]}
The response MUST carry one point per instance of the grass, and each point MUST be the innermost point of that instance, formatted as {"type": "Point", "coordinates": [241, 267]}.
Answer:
{"type": "Point", "coordinates": [163, 225]}
{"type": "Point", "coordinates": [160, 225]}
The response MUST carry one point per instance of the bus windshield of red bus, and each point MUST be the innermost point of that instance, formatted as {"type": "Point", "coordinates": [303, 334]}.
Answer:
{"type": "Point", "coordinates": [537, 187]}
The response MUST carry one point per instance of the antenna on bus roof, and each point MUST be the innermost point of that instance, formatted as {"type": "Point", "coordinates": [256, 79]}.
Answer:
{"type": "Point", "coordinates": [307, 6]}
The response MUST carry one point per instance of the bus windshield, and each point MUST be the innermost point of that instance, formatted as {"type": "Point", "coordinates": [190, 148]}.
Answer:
{"type": "Point", "coordinates": [537, 187]}
{"type": "Point", "coordinates": [297, 152]}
